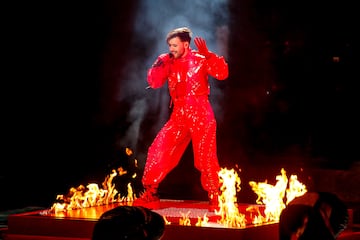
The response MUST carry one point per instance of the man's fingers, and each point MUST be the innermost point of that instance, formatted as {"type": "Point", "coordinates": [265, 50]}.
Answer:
{"type": "Point", "coordinates": [200, 43]}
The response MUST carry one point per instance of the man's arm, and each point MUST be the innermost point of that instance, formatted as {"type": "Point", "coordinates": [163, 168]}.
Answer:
{"type": "Point", "coordinates": [217, 66]}
{"type": "Point", "coordinates": [158, 73]}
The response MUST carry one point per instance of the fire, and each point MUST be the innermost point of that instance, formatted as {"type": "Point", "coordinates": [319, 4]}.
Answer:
{"type": "Point", "coordinates": [272, 196]}
{"type": "Point", "coordinates": [167, 222]}
{"type": "Point", "coordinates": [296, 189]}
{"type": "Point", "coordinates": [90, 196]}
{"type": "Point", "coordinates": [228, 208]}
{"type": "Point", "coordinates": [185, 219]}
{"type": "Point", "coordinates": [130, 196]}
{"type": "Point", "coordinates": [255, 215]}
{"type": "Point", "coordinates": [93, 194]}
{"type": "Point", "coordinates": [202, 221]}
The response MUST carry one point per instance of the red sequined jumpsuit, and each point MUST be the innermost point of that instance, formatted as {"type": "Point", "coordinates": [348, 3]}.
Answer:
{"type": "Point", "coordinates": [192, 118]}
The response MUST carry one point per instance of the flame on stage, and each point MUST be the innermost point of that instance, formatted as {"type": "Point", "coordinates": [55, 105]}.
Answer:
{"type": "Point", "coordinates": [272, 198]}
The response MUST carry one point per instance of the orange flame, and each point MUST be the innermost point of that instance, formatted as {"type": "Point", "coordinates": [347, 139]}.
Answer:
{"type": "Point", "coordinates": [93, 195]}
{"type": "Point", "coordinates": [296, 189]}
{"type": "Point", "coordinates": [185, 219]}
{"type": "Point", "coordinates": [228, 208]}
{"type": "Point", "coordinates": [202, 221]}
{"type": "Point", "coordinates": [167, 222]}
{"type": "Point", "coordinates": [272, 196]}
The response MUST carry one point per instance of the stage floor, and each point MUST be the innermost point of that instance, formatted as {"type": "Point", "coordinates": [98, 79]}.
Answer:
{"type": "Point", "coordinates": [78, 224]}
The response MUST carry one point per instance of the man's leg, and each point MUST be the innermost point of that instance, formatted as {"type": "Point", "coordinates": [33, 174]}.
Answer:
{"type": "Point", "coordinates": [206, 161]}
{"type": "Point", "coordinates": [164, 154]}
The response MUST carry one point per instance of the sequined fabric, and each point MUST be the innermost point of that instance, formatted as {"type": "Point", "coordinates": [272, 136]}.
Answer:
{"type": "Point", "coordinates": [192, 118]}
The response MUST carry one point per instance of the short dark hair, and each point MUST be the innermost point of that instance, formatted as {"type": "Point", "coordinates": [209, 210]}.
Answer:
{"type": "Point", "coordinates": [129, 223]}
{"type": "Point", "coordinates": [184, 33]}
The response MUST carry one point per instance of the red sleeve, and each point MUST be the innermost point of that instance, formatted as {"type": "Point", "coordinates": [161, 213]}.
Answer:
{"type": "Point", "coordinates": [217, 67]}
{"type": "Point", "coordinates": [159, 71]}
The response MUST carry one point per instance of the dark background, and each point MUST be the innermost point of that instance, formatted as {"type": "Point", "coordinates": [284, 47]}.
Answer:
{"type": "Point", "coordinates": [288, 101]}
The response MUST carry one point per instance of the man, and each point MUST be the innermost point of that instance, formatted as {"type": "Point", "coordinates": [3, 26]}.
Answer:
{"type": "Point", "coordinates": [192, 119]}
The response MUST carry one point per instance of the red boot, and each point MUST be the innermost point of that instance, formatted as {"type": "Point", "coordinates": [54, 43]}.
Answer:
{"type": "Point", "coordinates": [214, 202]}
{"type": "Point", "coordinates": [149, 198]}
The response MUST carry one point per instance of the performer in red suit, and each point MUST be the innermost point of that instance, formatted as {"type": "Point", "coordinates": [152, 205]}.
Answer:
{"type": "Point", "coordinates": [192, 119]}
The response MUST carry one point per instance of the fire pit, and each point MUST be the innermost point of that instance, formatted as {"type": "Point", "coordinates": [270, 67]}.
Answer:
{"type": "Point", "coordinates": [74, 217]}
{"type": "Point", "coordinates": [78, 224]}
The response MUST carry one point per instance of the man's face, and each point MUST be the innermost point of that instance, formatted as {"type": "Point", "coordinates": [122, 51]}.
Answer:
{"type": "Point", "coordinates": [178, 48]}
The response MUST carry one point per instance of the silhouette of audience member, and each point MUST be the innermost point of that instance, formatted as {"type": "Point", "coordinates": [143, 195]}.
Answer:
{"type": "Point", "coordinates": [130, 223]}
{"type": "Point", "coordinates": [315, 215]}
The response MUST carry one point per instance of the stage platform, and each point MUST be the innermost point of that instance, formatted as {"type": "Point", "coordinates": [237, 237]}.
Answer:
{"type": "Point", "coordinates": [78, 224]}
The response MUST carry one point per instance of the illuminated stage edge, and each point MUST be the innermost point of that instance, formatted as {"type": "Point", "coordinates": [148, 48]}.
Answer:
{"type": "Point", "coordinates": [78, 224]}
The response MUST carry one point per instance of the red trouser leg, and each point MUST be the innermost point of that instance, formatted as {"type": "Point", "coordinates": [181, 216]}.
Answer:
{"type": "Point", "coordinates": [194, 121]}
{"type": "Point", "coordinates": [165, 152]}
{"type": "Point", "coordinates": [205, 149]}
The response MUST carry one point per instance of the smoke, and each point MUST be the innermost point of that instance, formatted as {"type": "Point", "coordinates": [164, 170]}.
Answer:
{"type": "Point", "coordinates": [135, 116]}
{"type": "Point", "coordinates": [154, 19]}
